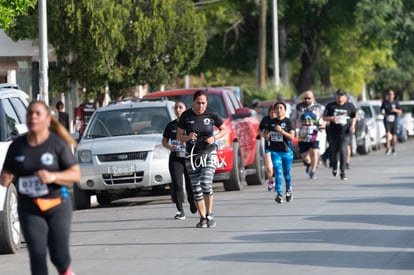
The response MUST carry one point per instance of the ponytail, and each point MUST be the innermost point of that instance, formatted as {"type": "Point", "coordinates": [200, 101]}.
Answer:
{"type": "Point", "coordinates": [57, 128]}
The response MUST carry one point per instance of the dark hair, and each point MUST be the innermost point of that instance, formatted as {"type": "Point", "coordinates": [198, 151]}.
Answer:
{"type": "Point", "coordinates": [199, 93]}
{"type": "Point", "coordinates": [279, 103]}
{"type": "Point", "coordinates": [59, 105]}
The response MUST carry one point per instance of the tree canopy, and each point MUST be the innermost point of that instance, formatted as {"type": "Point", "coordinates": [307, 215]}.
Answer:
{"type": "Point", "coordinates": [10, 9]}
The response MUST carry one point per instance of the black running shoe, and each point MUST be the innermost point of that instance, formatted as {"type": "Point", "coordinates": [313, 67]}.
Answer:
{"type": "Point", "coordinates": [289, 196]}
{"type": "Point", "coordinates": [179, 215]}
{"type": "Point", "coordinates": [202, 223]}
{"type": "Point", "coordinates": [334, 172]}
{"type": "Point", "coordinates": [347, 166]}
{"type": "Point", "coordinates": [279, 198]}
{"type": "Point", "coordinates": [343, 177]}
{"type": "Point", "coordinates": [210, 221]}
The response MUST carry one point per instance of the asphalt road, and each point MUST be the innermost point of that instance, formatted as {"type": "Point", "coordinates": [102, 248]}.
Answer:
{"type": "Point", "coordinates": [361, 226]}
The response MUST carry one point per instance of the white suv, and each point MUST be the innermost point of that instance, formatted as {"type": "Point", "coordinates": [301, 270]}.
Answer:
{"type": "Point", "coordinates": [13, 106]}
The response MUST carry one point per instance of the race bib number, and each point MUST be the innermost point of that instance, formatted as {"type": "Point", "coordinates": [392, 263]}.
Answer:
{"type": "Point", "coordinates": [32, 187]}
{"type": "Point", "coordinates": [276, 137]}
{"type": "Point", "coordinates": [341, 120]}
{"type": "Point", "coordinates": [390, 118]}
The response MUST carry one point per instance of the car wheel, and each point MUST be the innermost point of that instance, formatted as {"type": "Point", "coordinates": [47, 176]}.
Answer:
{"type": "Point", "coordinates": [234, 183]}
{"type": "Point", "coordinates": [11, 236]}
{"type": "Point", "coordinates": [82, 198]}
{"type": "Point", "coordinates": [365, 148]}
{"type": "Point", "coordinates": [259, 176]}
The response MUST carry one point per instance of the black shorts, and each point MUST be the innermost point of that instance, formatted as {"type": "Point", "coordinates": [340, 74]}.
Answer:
{"type": "Point", "coordinates": [305, 146]}
{"type": "Point", "coordinates": [391, 127]}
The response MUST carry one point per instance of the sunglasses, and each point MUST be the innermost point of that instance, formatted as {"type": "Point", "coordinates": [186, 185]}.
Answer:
{"type": "Point", "coordinates": [306, 98]}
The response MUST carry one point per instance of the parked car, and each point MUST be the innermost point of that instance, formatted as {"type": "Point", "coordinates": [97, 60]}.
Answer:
{"type": "Point", "coordinates": [407, 118]}
{"type": "Point", "coordinates": [13, 106]}
{"type": "Point", "coordinates": [120, 152]}
{"type": "Point", "coordinates": [240, 151]}
{"type": "Point", "coordinates": [373, 124]}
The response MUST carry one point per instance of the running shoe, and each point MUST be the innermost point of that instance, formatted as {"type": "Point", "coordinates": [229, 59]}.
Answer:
{"type": "Point", "coordinates": [343, 177]}
{"type": "Point", "coordinates": [202, 223]}
{"type": "Point", "coordinates": [289, 196]}
{"type": "Point", "coordinates": [308, 168]}
{"type": "Point", "coordinates": [334, 172]}
{"type": "Point", "coordinates": [312, 176]}
{"type": "Point", "coordinates": [270, 186]}
{"type": "Point", "coordinates": [393, 152]}
{"type": "Point", "coordinates": [348, 166]}
{"type": "Point", "coordinates": [388, 151]}
{"type": "Point", "coordinates": [210, 221]}
{"type": "Point", "coordinates": [68, 272]}
{"type": "Point", "coordinates": [179, 215]}
{"type": "Point", "coordinates": [279, 198]}
{"type": "Point", "coordinates": [193, 207]}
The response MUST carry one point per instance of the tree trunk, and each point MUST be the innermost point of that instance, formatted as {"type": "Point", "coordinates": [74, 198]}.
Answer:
{"type": "Point", "coordinates": [284, 69]}
{"type": "Point", "coordinates": [305, 80]}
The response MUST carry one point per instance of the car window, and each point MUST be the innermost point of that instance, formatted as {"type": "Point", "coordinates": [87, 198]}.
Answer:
{"type": "Point", "coordinates": [406, 108]}
{"type": "Point", "coordinates": [215, 103]}
{"type": "Point", "coordinates": [232, 102]}
{"type": "Point", "coordinates": [20, 108]}
{"type": "Point", "coordinates": [367, 111]}
{"type": "Point", "coordinates": [12, 119]}
{"type": "Point", "coordinates": [128, 122]}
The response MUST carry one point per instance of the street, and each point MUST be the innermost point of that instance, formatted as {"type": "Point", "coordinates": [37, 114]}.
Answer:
{"type": "Point", "coordinates": [361, 226]}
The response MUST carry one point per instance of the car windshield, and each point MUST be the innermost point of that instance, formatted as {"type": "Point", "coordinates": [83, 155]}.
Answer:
{"type": "Point", "coordinates": [407, 108]}
{"type": "Point", "coordinates": [124, 122]}
{"type": "Point", "coordinates": [367, 111]}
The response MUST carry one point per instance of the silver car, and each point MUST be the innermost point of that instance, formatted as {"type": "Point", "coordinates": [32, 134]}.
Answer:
{"type": "Point", "coordinates": [121, 153]}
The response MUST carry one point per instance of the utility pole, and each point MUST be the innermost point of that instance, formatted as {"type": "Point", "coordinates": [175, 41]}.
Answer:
{"type": "Point", "coordinates": [43, 53]}
{"type": "Point", "coordinates": [262, 45]}
{"type": "Point", "coordinates": [276, 46]}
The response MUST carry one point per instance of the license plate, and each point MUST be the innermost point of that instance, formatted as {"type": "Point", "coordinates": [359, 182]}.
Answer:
{"type": "Point", "coordinates": [122, 170]}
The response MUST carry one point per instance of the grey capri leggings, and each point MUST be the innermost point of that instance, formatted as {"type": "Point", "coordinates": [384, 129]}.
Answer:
{"type": "Point", "coordinates": [201, 169]}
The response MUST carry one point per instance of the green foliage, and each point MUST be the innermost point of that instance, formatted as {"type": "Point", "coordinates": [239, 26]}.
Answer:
{"type": "Point", "coordinates": [123, 43]}
{"type": "Point", "coordinates": [10, 9]}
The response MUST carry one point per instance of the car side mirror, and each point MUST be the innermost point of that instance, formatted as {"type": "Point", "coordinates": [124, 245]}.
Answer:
{"type": "Point", "coordinates": [242, 113]}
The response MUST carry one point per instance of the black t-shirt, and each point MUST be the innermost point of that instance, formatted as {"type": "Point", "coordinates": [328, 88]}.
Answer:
{"type": "Point", "coordinates": [387, 106]}
{"type": "Point", "coordinates": [23, 160]}
{"type": "Point", "coordinates": [64, 119]}
{"type": "Point", "coordinates": [344, 113]}
{"type": "Point", "coordinates": [203, 125]}
{"type": "Point", "coordinates": [277, 142]}
{"type": "Point", "coordinates": [170, 133]}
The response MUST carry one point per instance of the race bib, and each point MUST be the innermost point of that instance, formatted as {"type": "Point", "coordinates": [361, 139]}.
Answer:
{"type": "Point", "coordinates": [341, 120]}
{"type": "Point", "coordinates": [390, 118]}
{"type": "Point", "coordinates": [32, 187]}
{"type": "Point", "coordinates": [276, 137]}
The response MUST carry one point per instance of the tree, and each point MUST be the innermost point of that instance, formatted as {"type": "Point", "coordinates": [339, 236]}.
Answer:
{"type": "Point", "coordinates": [122, 43]}
{"type": "Point", "coordinates": [10, 9]}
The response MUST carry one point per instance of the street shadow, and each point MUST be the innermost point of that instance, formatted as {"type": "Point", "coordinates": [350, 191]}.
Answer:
{"type": "Point", "coordinates": [405, 201]}
{"type": "Point", "coordinates": [387, 220]}
{"type": "Point", "coordinates": [351, 237]}
{"type": "Point", "coordinates": [326, 258]}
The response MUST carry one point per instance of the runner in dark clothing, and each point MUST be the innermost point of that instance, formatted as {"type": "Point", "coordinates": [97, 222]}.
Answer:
{"type": "Point", "coordinates": [391, 110]}
{"type": "Point", "coordinates": [196, 129]}
{"type": "Point", "coordinates": [342, 118]}
{"type": "Point", "coordinates": [42, 165]}
{"type": "Point", "coordinates": [176, 165]}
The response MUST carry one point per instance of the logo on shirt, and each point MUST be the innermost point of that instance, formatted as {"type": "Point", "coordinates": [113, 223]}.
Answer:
{"type": "Point", "coordinates": [190, 122]}
{"type": "Point", "coordinates": [46, 159]}
{"type": "Point", "coordinates": [206, 121]}
{"type": "Point", "coordinates": [20, 158]}
{"type": "Point", "coordinates": [283, 125]}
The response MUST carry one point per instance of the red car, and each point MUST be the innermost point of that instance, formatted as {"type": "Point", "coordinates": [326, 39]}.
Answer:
{"type": "Point", "coordinates": [240, 152]}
